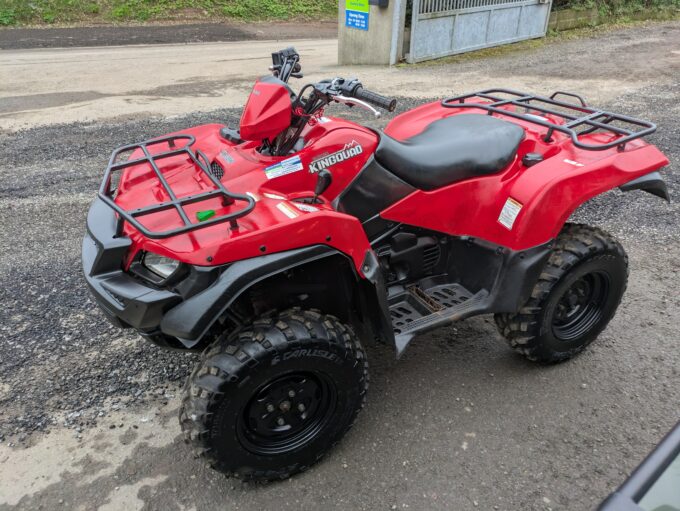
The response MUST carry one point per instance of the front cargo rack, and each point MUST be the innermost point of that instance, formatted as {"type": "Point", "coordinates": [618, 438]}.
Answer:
{"type": "Point", "coordinates": [198, 158]}
{"type": "Point", "coordinates": [579, 119]}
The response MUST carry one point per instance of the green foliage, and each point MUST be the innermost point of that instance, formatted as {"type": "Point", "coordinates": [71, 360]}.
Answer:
{"type": "Point", "coordinates": [618, 8]}
{"type": "Point", "coordinates": [279, 9]}
{"type": "Point", "coordinates": [46, 11]}
{"type": "Point", "coordinates": [7, 17]}
{"type": "Point", "coordinates": [22, 12]}
{"type": "Point", "coordinates": [68, 11]}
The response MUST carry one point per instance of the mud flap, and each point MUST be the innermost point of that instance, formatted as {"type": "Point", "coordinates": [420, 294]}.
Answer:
{"type": "Point", "coordinates": [651, 183]}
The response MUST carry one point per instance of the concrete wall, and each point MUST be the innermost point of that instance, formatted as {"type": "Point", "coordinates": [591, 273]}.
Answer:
{"type": "Point", "coordinates": [370, 46]}
{"type": "Point", "coordinates": [571, 18]}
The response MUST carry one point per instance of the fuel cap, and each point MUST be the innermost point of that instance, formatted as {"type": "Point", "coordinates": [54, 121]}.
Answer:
{"type": "Point", "coordinates": [531, 159]}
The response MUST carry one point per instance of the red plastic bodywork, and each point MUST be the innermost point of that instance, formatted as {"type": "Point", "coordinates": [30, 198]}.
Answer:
{"type": "Point", "coordinates": [548, 192]}
{"type": "Point", "coordinates": [267, 113]}
{"type": "Point", "coordinates": [268, 228]}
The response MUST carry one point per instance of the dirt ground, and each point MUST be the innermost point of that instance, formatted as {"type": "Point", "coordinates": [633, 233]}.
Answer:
{"type": "Point", "coordinates": [88, 412]}
{"type": "Point", "coordinates": [46, 86]}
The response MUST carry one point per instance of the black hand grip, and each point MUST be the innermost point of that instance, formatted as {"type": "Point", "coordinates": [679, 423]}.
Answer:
{"type": "Point", "coordinates": [388, 104]}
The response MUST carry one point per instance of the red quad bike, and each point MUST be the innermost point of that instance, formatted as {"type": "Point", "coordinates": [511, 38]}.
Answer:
{"type": "Point", "coordinates": [279, 248]}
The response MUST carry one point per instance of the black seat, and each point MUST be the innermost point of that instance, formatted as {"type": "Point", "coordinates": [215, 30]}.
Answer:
{"type": "Point", "coordinates": [451, 149]}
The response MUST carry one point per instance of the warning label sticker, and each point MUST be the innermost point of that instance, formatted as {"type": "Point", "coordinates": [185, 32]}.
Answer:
{"type": "Point", "coordinates": [509, 213]}
{"type": "Point", "coordinates": [305, 207]}
{"type": "Point", "coordinates": [283, 167]}
{"type": "Point", "coordinates": [273, 196]}
{"type": "Point", "coordinates": [287, 210]}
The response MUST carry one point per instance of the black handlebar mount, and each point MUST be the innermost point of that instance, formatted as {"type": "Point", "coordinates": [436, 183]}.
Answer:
{"type": "Point", "coordinates": [286, 63]}
{"type": "Point", "coordinates": [312, 98]}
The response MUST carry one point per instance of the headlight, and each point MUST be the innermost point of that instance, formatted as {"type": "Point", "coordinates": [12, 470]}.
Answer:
{"type": "Point", "coordinates": [161, 266]}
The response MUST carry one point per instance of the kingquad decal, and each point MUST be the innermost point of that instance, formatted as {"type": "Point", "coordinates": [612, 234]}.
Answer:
{"type": "Point", "coordinates": [351, 150]}
{"type": "Point", "coordinates": [305, 353]}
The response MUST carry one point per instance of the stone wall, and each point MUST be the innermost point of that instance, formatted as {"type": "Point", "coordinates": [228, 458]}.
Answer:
{"type": "Point", "coordinates": [569, 19]}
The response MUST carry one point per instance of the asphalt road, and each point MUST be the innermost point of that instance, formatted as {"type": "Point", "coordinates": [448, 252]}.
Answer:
{"type": "Point", "coordinates": [88, 412]}
{"type": "Point", "coordinates": [27, 38]}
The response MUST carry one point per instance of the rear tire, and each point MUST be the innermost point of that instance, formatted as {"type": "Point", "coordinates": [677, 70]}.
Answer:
{"type": "Point", "coordinates": [574, 299]}
{"type": "Point", "coordinates": [272, 399]}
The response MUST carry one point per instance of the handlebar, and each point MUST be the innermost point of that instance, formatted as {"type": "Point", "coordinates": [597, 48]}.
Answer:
{"type": "Point", "coordinates": [313, 97]}
{"type": "Point", "coordinates": [374, 98]}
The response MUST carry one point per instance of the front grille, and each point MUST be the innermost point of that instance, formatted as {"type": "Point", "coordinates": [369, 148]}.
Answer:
{"type": "Point", "coordinates": [216, 170]}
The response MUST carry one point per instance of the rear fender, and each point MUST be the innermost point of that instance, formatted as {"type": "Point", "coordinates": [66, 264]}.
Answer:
{"type": "Point", "coordinates": [549, 203]}
{"type": "Point", "coordinates": [525, 207]}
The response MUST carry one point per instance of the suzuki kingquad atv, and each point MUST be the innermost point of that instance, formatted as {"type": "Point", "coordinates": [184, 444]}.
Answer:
{"type": "Point", "coordinates": [278, 249]}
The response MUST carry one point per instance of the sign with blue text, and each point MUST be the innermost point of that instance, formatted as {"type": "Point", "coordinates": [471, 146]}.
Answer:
{"type": "Point", "coordinates": [355, 19]}
{"type": "Point", "coordinates": [356, 14]}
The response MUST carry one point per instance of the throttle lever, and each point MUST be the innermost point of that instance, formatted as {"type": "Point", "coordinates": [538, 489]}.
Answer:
{"type": "Point", "coordinates": [354, 101]}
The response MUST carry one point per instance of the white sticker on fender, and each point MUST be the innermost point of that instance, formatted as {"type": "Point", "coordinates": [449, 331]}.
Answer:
{"type": "Point", "coordinates": [283, 167]}
{"type": "Point", "coordinates": [509, 213]}
{"type": "Point", "coordinates": [274, 196]}
{"type": "Point", "coordinates": [287, 210]}
{"type": "Point", "coordinates": [305, 207]}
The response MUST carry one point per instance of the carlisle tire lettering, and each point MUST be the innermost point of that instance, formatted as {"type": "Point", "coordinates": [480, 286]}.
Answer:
{"type": "Point", "coordinates": [332, 357]}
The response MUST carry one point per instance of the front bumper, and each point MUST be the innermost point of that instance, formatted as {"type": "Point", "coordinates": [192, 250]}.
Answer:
{"type": "Point", "coordinates": [126, 301]}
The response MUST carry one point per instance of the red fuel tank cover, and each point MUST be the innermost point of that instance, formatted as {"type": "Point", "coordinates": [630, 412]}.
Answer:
{"type": "Point", "coordinates": [268, 110]}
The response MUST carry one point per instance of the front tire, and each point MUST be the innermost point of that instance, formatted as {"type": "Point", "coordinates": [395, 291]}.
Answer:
{"type": "Point", "coordinates": [574, 299]}
{"type": "Point", "coordinates": [271, 400]}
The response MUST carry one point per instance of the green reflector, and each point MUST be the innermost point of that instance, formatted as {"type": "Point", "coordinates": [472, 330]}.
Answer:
{"type": "Point", "coordinates": [204, 215]}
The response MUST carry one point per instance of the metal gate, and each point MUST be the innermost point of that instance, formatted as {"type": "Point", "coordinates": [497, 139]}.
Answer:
{"type": "Point", "coordinates": [445, 27]}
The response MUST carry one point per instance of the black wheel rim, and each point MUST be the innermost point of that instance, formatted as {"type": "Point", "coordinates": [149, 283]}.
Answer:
{"type": "Point", "coordinates": [287, 412]}
{"type": "Point", "coordinates": [581, 306]}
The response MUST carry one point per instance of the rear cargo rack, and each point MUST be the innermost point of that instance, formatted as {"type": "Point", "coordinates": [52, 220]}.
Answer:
{"type": "Point", "coordinates": [579, 119]}
{"type": "Point", "coordinates": [106, 192]}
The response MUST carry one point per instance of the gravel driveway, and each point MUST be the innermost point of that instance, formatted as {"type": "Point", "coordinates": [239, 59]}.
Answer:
{"type": "Point", "coordinates": [87, 411]}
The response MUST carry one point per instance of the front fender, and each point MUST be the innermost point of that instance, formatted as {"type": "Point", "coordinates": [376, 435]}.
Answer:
{"type": "Point", "coordinates": [193, 318]}
{"type": "Point", "coordinates": [190, 320]}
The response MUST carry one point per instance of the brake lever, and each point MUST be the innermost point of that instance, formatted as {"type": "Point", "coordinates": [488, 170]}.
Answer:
{"type": "Point", "coordinates": [353, 101]}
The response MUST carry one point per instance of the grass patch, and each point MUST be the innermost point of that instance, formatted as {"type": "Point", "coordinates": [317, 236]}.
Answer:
{"type": "Point", "coordinates": [618, 8]}
{"type": "Point", "coordinates": [37, 12]}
